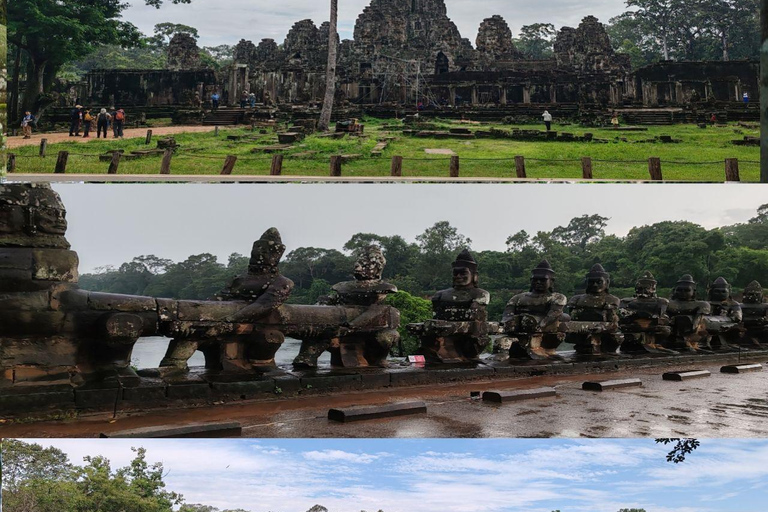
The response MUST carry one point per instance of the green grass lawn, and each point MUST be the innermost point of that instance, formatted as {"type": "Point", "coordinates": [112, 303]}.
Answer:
{"type": "Point", "coordinates": [698, 157]}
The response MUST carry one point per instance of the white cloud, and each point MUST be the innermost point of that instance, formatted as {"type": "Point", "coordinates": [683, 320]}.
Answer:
{"type": "Point", "coordinates": [342, 456]}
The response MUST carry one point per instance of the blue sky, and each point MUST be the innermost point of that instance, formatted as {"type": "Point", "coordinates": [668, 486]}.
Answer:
{"type": "Point", "coordinates": [451, 475]}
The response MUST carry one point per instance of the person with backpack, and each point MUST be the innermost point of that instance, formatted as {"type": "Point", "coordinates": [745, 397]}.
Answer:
{"type": "Point", "coordinates": [75, 116]}
{"type": "Point", "coordinates": [87, 120]}
{"type": "Point", "coordinates": [26, 124]}
{"type": "Point", "coordinates": [102, 123]}
{"type": "Point", "coordinates": [252, 100]}
{"type": "Point", "coordinates": [119, 121]}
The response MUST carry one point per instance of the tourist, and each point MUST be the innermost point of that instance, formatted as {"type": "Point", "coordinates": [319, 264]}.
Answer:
{"type": "Point", "coordinates": [215, 100]}
{"type": "Point", "coordinates": [26, 124]}
{"type": "Point", "coordinates": [75, 116]}
{"type": "Point", "coordinates": [102, 123]}
{"type": "Point", "coordinates": [252, 100]}
{"type": "Point", "coordinates": [243, 99]}
{"type": "Point", "coordinates": [87, 120]}
{"type": "Point", "coordinates": [547, 119]}
{"type": "Point", "coordinates": [112, 114]}
{"type": "Point", "coordinates": [119, 122]}
{"type": "Point", "coordinates": [745, 97]}
{"type": "Point", "coordinates": [713, 119]}
{"type": "Point", "coordinates": [615, 121]}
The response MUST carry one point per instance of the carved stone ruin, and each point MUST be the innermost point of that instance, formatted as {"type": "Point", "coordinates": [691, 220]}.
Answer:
{"type": "Point", "coordinates": [183, 53]}
{"type": "Point", "coordinates": [755, 316]}
{"type": "Point", "coordinates": [459, 330]}
{"type": "Point", "coordinates": [724, 323]}
{"type": "Point", "coordinates": [594, 325]}
{"type": "Point", "coordinates": [367, 339]}
{"type": "Point", "coordinates": [536, 319]}
{"type": "Point", "coordinates": [687, 316]}
{"type": "Point", "coordinates": [643, 319]}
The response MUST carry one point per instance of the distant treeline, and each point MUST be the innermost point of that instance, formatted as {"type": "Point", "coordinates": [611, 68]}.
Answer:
{"type": "Point", "coordinates": [738, 253]}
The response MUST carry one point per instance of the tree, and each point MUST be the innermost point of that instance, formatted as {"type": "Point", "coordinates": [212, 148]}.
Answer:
{"type": "Point", "coordinates": [536, 40]}
{"type": "Point", "coordinates": [51, 33]}
{"type": "Point", "coordinates": [24, 461]}
{"type": "Point", "coordinates": [412, 310]}
{"type": "Point", "coordinates": [682, 448]}
{"type": "Point", "coordinates": [330, 74]}
{"type": "Point", "coordinates": [658, 18]}
{"type": "Point", "coordinates": [581, 231]}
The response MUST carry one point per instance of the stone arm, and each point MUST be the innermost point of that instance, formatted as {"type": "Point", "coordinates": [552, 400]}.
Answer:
{"type": "Point", "coordinates": [736, 314]}
{"type": "Point", "coordinates": [555, 313]}
{"type": "Point", "coordinates": [272, 298]}
{"type": "Point", "coordinates": [509, 312]}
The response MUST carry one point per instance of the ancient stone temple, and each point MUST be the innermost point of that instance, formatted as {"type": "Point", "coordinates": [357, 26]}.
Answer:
{"type": "Point", "coordinates": [406, 51]}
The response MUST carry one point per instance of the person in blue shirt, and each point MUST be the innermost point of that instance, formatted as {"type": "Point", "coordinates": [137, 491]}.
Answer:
{"type": "Point", "coordinates": [26, 124]}
{"type": "Point", "coordinates": [215, 100]}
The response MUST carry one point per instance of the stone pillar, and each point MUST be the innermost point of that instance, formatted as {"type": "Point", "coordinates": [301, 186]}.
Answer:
{"type": "Point", "coordinates": [553, 93]}
{"type": "Point", "coordinates": [475, 99]}
{"type": "Point", "coordinates": [527, 94]}
{"type": "Point", "coordinates": [452, 92]}
{"type": "Point", "coordinates": [679, 97]}
{"type": "Point", "coordinates": [503, 95]}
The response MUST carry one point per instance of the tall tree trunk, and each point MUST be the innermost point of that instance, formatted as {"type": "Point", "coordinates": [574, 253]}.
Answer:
{"type": "Point", "coordinates": [35, 87]}
{"type": "Point", "coordinates": [330, 74]}
{"type": "Point", "coordinates": [14, 116]}
{"type": "Point", "coordinates": [724, 39]}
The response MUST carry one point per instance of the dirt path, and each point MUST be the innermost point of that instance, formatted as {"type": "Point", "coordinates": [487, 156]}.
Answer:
{"type": "Point", "coordinates": [53, 138]}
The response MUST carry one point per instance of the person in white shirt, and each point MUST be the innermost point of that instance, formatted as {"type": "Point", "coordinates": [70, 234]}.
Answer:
{"type": "Point", "coordinates": [547, 119]}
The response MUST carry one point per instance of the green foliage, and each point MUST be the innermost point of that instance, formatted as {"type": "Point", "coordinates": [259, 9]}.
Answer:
{"type": "Point", "coordinates": [37, 479]}
{"type": "Point", "coordinates": [536, 40]}
{"type": "Point", "coordinates": [412, 310]}
{"type": "Point", "coordinates": [655, 30]}
{"type": "Point", "coordinates": [668, 249]}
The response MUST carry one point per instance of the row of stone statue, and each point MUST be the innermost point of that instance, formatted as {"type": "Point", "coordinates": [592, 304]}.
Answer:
{"type": "Point", "coordinates": [53, 332]}
{"type": "Point", "coordinates": [536, 323]}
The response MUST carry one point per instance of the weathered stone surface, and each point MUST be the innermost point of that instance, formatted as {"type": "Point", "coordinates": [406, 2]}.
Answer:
{"type": "Point", "coordinates": [518, 395]}
{"type": "Point", "coordinates": [372, 413]}
{"type": "Point", "coordinates": [183, 52]}
{"type": "Point", "coordinates": [197, 430]}
{"type": "Point", "coordinates": [687, 375]}
{"type": "Point", "coordinates": [611, 384]}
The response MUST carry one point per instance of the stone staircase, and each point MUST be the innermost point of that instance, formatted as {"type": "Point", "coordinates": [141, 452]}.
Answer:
{"type": "Point", "coordinates": [225, 116]}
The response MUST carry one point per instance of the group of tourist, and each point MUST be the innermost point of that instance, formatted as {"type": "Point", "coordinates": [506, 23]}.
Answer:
{"type": "Point", "coordinates": [82, 118]}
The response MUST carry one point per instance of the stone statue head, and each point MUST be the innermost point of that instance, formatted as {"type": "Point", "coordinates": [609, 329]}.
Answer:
{"type": "Point", "coordinates": [266, 253]}
{"type": "Point", "coordinates": [598, 280]}
{"type": "Point", "coordinates": [370, 264]}
{"type": "Point", "coordinates": [645, 288]}
{"type": "Point", "coordinates": [753, 293]}
{"type": "Point", "coordinates": [720, 290]}
{"type": "Point", "coordinates": [543, 278]}
{"type": "Point", "coordinates": [685, 289]}
{"type": "Point", "coordinates": [465, 271]}
{"type": "Point", "coordinates": [32, 215]}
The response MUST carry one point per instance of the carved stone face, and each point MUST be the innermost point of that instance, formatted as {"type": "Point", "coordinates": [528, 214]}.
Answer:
{"type": "Point", "coordinates": [719, 294]}
{"type": "Point", "coordinates": [685, 292]}
{"type": "Point", "coordinates": [645, 290]}
{"type": "Point", "coordinates": [50, 221]}
{"type": "Point", "coordinates": [596, 285]}
{"type": "Point", "coordinates": [370, 265]}
{"type": "Point", "coordinates": [541, 284]}
{"type": "Point", "coordinates": [462, 277]}
{"type": "Point", "coordinates": [753, 297]}
{"type": "Point", "coordinates": [264, 256]}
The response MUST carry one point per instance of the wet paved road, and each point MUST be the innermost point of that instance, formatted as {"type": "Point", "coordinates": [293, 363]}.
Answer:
{"type": "Point", "coordinates": [719, 406]}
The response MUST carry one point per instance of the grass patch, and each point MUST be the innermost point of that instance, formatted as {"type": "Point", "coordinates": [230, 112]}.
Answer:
{"type": "Point", "coordinates": [698, 157]}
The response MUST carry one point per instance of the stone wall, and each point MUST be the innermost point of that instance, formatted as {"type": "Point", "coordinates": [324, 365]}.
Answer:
{"type": "Point", "coordinates": [126, 88]}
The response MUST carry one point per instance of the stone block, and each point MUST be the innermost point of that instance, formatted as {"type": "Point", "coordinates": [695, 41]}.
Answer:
{"type": "Point", "coordinates": [96, 398]}
{"type": "Point", "coordinates": [122, 303]}
{"type": "Point", "coordinates": [689, 375]}
{"type": "Point", "coordinates": [611, 384]}
{"type": "Point", "coordinates": [55, 265]}
{"type": "Point", "coordinates": [742, 368]}
{"type": "Point", "coordinates": [518, 395]}
{"type": "Point", "coordinates": [332, 382]}
{"type": "Point", "coordinates": [189, 391]}
{"type": "Point", "coordinates": [371, 413]}
{"type": "Point", "coordinates": [196, 431]}
{"type": "Point", "coordinates": [245, 390]}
